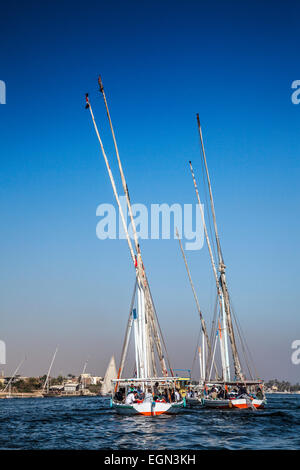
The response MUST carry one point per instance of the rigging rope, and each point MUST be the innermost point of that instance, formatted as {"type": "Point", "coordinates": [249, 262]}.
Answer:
{"type": "Point", "coordinates": [243, 338]}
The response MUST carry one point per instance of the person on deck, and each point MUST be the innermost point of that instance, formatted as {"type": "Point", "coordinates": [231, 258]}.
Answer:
{"type": "Point", "coordinates": [177, 395]}
{"type": "Point", "coordinates": [165, 395]}
{"type": "Point", "coordinates": [156, 390]}
{"type": "Point", "coordinates": [119, 396]}
{"type": "Point", "coordinates": [140, 393]}
{"type": "Point", "coordinates": [131, 398]}
{"type": "Point", "coordinates": [242, 390]}
{"type": "Point", "coordinates": [148, 395]}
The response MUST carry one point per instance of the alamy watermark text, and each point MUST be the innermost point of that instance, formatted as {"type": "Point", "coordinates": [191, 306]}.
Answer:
{"type": "Point", "coordinates": [158, 223]}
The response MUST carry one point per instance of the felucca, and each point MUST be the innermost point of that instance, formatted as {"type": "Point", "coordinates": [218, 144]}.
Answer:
{"type": "Point", "coordinates": [46, 392]}
{"type": "Point", "coordinates": [223, 391]}
{"type": "Point", "coordinates": [152, 389]}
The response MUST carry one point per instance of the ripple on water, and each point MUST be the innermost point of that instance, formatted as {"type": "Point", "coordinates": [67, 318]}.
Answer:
{"type": "Point", "coordinates": [89, 423]}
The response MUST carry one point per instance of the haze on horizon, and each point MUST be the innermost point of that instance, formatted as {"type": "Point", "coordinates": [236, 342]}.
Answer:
{"type": "Point", "coordinates": [161, 63]}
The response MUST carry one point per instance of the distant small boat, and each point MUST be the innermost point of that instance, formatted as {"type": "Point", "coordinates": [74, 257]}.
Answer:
{"type": "Point", "coordinates": [46, 392]}
{"type": "Point", "coordinates": [9, 384]}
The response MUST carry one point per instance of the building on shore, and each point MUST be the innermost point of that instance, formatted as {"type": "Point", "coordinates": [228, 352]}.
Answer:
{"type": "Point", "coordinates": [71, 387]}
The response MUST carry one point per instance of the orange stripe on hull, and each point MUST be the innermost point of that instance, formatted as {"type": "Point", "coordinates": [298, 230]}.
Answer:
{"type": "Point", "coordinates": [244, 405]}
{"type": "Point", "coordinates": [148, 413]}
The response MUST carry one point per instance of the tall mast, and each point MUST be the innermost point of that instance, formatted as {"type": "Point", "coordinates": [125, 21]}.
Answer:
{"type": "Point", "coordinates": [124, 184]}
{"type": "Point", "coordinates": [143, 287]}
{"type": "Point", "coordinates": [149, 307]}
{"type": "Point", "coordinates": [84, 367]}
{"type": "Point", "coordinates": [223, 340]}
{"type": "Point", "coordinates": [14, 374]}
{"type": "Point", "coordinates": [222, 268]}
{"type": "Point", "coordinates": [88, 105]}
{"type": "Point", "coordinates": [202, 371]}
{"type": "Point", "coordinates": [82, 380]}
{"type": "Point", "coordinates": [46, 384]}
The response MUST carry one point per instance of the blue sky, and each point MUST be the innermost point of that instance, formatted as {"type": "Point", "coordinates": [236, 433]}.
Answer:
{"type": "Point", "coordinates": [161, 62]}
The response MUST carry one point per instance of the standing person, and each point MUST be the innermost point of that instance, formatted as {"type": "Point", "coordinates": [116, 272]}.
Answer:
{"type": "Point", "coordinates": [148, 395]}
{"type": "Point", "coordinates": [140, 393]}
{"type": "Point", "coordinates": [156, 391]}
{"type": "Point", "coordinates": [177, 395]}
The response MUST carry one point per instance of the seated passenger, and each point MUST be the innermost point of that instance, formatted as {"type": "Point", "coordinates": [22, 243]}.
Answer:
{"type": "Point", "coordinates": [242, 390]}
{"type": "Point", "coordinates": [118, 396]}
{"type": "Point", "coordinates": [166, 396]}
{"type": "Point", "coordinates": [140, 393]}
{"type": "Point", "coordinates": [131, 398]}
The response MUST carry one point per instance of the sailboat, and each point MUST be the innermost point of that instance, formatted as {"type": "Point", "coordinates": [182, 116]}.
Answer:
{"type": "Point", "coordinates": [110, 374]}
{"type": "Point", "coordinates": [146, 392]}
{"type": "Point", "coordinates": [8, 386]}
{"type": "Point", "coordinates": [224, 391]}
{"type": "Point", "coordinates": [46, 392]}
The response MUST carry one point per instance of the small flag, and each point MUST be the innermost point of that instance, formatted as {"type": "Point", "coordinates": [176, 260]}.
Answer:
{"type": "Point", "coordinates": [87, 101]}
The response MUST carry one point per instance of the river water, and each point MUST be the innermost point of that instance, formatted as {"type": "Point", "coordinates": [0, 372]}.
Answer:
{"type": "Point", "coordinates": [89, 423]}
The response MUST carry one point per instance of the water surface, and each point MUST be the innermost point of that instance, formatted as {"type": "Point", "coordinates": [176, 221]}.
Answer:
{"type": "Point", "coordinates": [89, 423]}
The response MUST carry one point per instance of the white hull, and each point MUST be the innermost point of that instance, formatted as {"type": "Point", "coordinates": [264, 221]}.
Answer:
{"type": "Point", "coordinates": [237, 403]}
{"type": "Point", "coordinates": [148, 408]}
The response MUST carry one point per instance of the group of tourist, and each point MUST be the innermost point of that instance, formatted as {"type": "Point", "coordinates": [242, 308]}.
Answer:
{"type": "Point", "coordinates": [157, 394]}
{"type": "Point", "coordinates": [225, 392]}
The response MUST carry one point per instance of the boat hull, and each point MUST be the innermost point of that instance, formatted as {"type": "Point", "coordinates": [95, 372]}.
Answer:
{"type": "Point", "coordinates": [237, 403]}
{"type": "Point", "coordinates": [148, 408]}
{"type": "Point", "coordinates": [193, 401]}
